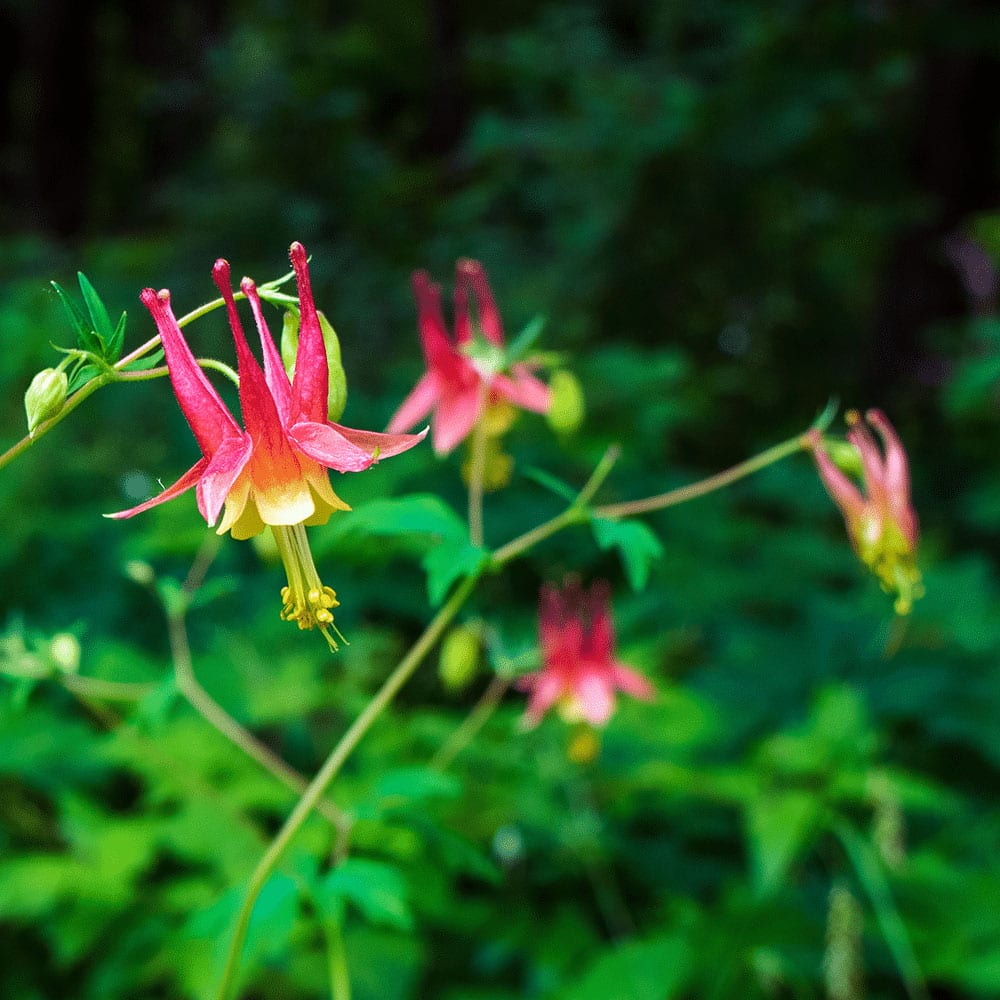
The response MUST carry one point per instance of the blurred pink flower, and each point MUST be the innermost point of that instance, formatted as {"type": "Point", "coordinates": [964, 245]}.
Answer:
{"type": "Point", "coordinates": [580, 673]}
{"type": "Point", "coordinates": [460, 382]}
{"type": "Point", "coordinates": [882, 526]}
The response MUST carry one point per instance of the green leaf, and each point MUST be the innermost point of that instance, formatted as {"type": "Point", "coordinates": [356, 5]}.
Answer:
{"type": "Point", "coordinates": [525, 340]}
{"type": "Point", "coordinates": [449, 562]}
{"type": "Point", "coordinates": [85, 337]}
{"type": "Point", "coordinates": [144, 364]}
{"type": "Point", "coordinates": [99, 319]}
{"type": "Point", "coordinates": [637, 546]}
{"type": "Point", "coordinates": [418, 514]}
{"type": "Point", "coordinates": [82, 376]}
{"type": "Point", "coordinates": [117, 340]}
{"type": "Point", "coordinates": [551, 483]}
{"type": "Point", "coordinates": [637, 970]}
{"type": "Point", "coordinates": [780, 827]}
{"type": "Point", "coordinates": [376, 889]}
{"type": "Point", "coordinates": [416, 784]}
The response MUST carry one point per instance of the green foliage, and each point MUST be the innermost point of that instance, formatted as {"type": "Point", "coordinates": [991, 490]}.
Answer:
{"type": "Point", "coordinates": [801, 737]}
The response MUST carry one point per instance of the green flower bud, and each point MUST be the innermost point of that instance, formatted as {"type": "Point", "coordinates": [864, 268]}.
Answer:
{"type": "Point", "coordinates": [337, 390]}
{"type": "Point", "coordinates": [45, 396]}
{"type": "Point", "coordinates": [566, 412]}
{"type": "Point", "coordinates": [64, 652]}
{"type": "Point", "coordinates": [459, 657]}
{"type": "Point", "coordinates": [140, 572]}
{"type": "Point", "coordinates": [844, 455]}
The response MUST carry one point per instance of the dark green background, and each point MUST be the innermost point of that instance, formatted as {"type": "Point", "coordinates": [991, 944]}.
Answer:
{"type": "Point", "coordinates": [727, 212]}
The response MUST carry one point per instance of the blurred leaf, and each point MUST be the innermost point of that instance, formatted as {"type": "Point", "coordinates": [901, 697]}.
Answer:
{"type": "Point", "coordinates": [655, 969]}
{"type": "Point", "coordinates": [378, 890]}
{"type": "Point", "coordinates": [780, 827]}
{"type": "Point", "coordinates": [446, 563]}
{"type": "Point", "coordinates": [637, 546]}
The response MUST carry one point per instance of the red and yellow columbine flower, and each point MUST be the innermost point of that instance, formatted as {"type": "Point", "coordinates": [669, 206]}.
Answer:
{"type": "Point", "coordinates": [580, 673]}
{"type": "Point", "coordinates": [459, 384]}
{"type": "Point", "coordinates": [882, 526]}
{"type": "Point", "coordinates": [273, 472]}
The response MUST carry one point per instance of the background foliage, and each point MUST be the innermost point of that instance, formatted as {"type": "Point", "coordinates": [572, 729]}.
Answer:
{"type": "Point", "coordinates": [727, 212]}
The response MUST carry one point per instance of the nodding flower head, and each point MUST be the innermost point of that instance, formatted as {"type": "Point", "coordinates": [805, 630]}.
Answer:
{"type": "Point", "coordinates": [580, 672]}
{"type": "Point", "coordinates": [881, 523]}
{"type": "Point", "coordinates": [464, 373]}
{"type": "Point", "coordinates": [273, 470]}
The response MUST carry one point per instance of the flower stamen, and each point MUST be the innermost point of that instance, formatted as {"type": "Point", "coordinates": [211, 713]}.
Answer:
{"type": "Point", "coordinates": [305, 601]}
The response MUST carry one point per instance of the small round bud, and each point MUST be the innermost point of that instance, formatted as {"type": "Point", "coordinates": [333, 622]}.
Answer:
{"type": "Point", "coordinates": [844, 455]}
{"type": "Point", "coordinates": [45, 396]}
{"type": "Point", "coordinates": [459, 657]}
{"type": "Point", "coordinates": [139, 572]}
{"type": "Point", "coordinates": [64, 652]}
{"type": "Point", "coordinates": [566, 412]}
{"type": "Point", "coordinates": [584, 745]}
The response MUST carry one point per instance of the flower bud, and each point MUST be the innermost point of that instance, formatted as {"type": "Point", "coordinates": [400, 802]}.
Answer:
{"type": "Point", "coordinates": [64, 652]}
{"type": "Point", "coordinates": [459, 657]}
{"type": "Point", "coordinates": [337, 386]}
{"type": "Point", "coordinates": [842, 961]}
{"type": "Point", "coordinates": [139, 572]}
{"type": "Point", "coordinates": [566, 412]}
{"type": "Point", "coordinates": [845, 456]}
{"type": "Point", "coordinates": [45, 396]}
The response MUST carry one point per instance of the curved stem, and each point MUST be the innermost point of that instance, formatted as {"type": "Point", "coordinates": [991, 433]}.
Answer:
{"type": "Point", "coordinates": [684, 493]}
{"type": "Point", "coordinates": [575, 513]}
{"type": "Point", "coordinates": [340, 978]}
{"type": "Point", "coordinates": [332, 765]}
{"type": "Point", "coordinates": [211, 711]}
{"type": "Point", "coordinates": [102, 690]}
{"type": "Point", "coordinates": [117, 374]}
{"type": "Point", "coordinates": [480, 714]}
{"type": "Point", "coordinates": [477, 469]}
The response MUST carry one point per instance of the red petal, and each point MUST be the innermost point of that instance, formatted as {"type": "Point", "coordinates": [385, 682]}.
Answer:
{"type": "Point", "coordinates": [274, 370]}
{"type": "Point", "coordinates": [471, 274]}
{"type": "Point", "coordinates": [596, 698]}
{"type": "Point", "coordinates": [455, 416]}
{"type": "Point", "coordinates": [181, 486]}
{"type": "Point", "coordinates": [523, 389]}
{"type": "Point", "coordinates": [387, 445]}
{"type": "Point", "coordinates": [260, 415]}
{"type": "Point", "coordinates": [632, 682]}
{"type": "Point", "coordinates": [221, 474]}
{"type": "Point", "coordinates": [438, 348]}
{"type": "Point", "coordinates": [329, 447]}
{"type": "Point", "coordinates": [417, 405]}
{"type": "Point", "coordinates": [202, 406]}
{"type": "Point", "coordinates": [843, 492]}
{"type": "Point", "coordinates": [312, 377]}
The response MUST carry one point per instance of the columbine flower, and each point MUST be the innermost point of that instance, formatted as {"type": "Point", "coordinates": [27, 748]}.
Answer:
{"type": "Point", "coordinates": [882, 527]}
{"type": "Point", "coordinates": [273, 472]}
{"type": "Point", "coordinates": [580, 673]}
{"type": "Point", "coordinates": [462, 379]}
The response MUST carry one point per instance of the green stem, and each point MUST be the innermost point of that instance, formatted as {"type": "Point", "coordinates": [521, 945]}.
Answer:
{"type": "Point", "coordinates": [684, 493]}
{"type": "Point", "coordinates": [211, 711]}
{"type": "Point", "coordinates": [477, 469]}
{"type": "Point", "coordinates": [318, 786]}
{"type": "Point", "coordinates": [102, 690]}
{"type": "Point", "coordinates": [480, 714]}
{"type": "Point", "coordinates": [893, 927]}
{"type": "Point", "coordinates": [575, 513]}
{"type": "Point", "coordinates": [152, 373]}
{"type": "Point", "coordinates": [340, 978]}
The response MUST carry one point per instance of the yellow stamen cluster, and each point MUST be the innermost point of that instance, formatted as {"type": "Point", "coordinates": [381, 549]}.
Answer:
{"type": "Point", "coordinates": [315, 610]}
{"type": "Point", "coordinates": [305, 601]}
{"type": "Point", "coordinates": [885, 551]}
